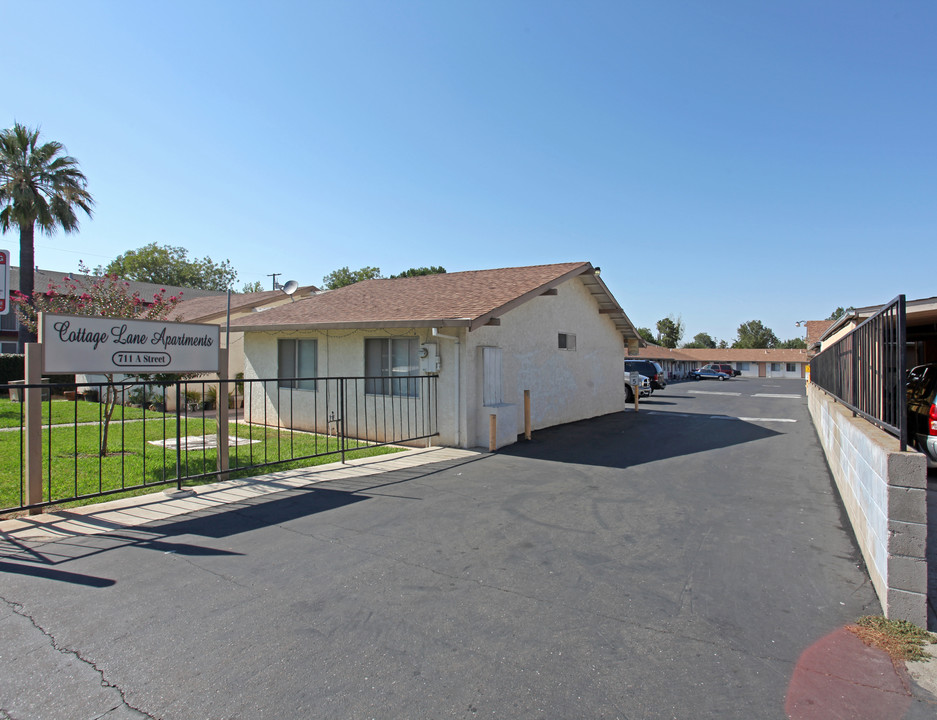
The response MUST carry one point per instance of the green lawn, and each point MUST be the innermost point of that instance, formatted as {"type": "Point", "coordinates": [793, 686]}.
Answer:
{"type": "Point", "coordinates": [65, 411]}
{"type": "Point", "coordinates": [132, 460]}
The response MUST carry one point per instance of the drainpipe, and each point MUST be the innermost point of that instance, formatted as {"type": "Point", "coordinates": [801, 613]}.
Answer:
{"type": "Point", "coordinates": [458, 385]}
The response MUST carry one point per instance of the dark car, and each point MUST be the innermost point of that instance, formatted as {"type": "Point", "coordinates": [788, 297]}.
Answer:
{"type": "Point", "coordinates": [922, 410]}
{"type": "Point", "coordinates": [708, 373]}
{"type": "Point", "coordinates": [650, 369]}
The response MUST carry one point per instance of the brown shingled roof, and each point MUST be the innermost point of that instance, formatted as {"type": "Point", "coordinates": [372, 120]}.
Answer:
{"type": "Point", "coordinates": [459, 299]}
{"type": "Point", "coordinates": [198, 309]}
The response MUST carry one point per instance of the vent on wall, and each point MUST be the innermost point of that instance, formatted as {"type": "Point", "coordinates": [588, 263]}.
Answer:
{"type": "Point", "coordinates": [566, 341]}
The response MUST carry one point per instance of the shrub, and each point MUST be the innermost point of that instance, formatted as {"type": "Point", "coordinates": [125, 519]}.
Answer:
{"type": "Point", "coordinates": [12, 367]}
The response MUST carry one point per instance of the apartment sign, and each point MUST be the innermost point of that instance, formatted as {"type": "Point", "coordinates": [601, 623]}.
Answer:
{"type": "Point", "coordinates": [4, 282]}
{"type": "Point", "coordinates": [77, 344]}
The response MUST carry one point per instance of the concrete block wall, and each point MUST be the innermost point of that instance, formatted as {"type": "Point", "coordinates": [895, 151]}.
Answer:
{"type": "Point", "coordinates": [885, 495]}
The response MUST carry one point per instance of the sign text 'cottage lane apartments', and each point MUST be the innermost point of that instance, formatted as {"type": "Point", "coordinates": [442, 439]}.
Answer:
{"type": "Point", "coordinates": [102, 345]}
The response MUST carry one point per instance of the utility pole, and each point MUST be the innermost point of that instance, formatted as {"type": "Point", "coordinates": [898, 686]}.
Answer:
{"type": "Point", "coordinates": [274, 276]}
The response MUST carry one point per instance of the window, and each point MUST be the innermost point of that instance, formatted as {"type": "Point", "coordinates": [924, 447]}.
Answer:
{"type": "Point", "coordinates": [8, 347]}
{"type": "Point", "coordinates": [296, 363]}
{"type": "Point", "coordinates": [9, 321]}
{"type": "Point", "coordinates": [791, 367]}
{"type": "Point", "coordinates": [566, 341]}
{"type": "Point", "coordinates": [775, 367]}
{"type": "Point", "coordinates": [392, 366]}
{"type": "Point", "coordinates": [743, 366]}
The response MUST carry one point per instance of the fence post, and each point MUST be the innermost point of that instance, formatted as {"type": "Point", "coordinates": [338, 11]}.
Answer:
{"type": "Point", "coordinates": [178, 434]}
{"type": "Point", "coordinates": [222, 415]}
{"type": "Point", "coordinates": [32, 445]}
{"type": "Point", "coordinates": [342, 407]}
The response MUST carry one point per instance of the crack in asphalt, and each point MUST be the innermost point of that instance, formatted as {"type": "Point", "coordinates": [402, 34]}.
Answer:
{"type": "Point", "coordinates": [20, 610]}
{"type": "Point", "coordinates": [218, 575]}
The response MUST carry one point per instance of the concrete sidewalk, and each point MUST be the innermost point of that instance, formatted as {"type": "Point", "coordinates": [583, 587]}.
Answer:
{"type": "Point", "coordinates": [166, 504]}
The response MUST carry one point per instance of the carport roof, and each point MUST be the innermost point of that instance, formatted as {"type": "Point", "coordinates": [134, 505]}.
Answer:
{"type": "Point", "coordinates": [460, 299]}
{"type": "Point", "coordinates": [917, 312]}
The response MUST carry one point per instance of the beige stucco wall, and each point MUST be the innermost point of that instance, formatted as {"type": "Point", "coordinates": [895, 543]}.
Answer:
{"type": "Point", "coordinates": [565, 385]}
{"type": "Point", "coordinates": [340, 353]}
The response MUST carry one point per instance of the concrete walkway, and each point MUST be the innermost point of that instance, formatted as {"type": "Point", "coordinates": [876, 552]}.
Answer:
{"type": "Point", "coordinates": [167, 504]}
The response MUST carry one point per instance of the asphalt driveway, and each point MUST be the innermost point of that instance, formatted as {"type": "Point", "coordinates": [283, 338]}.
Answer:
{"type": "Point", "coordinates": [670, 563]}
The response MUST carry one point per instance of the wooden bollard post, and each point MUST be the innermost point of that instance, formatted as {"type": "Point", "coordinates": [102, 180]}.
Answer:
{"type": "Point", "coordinates": [492, 432]}
{"type": "Point", "coordinates": [527, 414]}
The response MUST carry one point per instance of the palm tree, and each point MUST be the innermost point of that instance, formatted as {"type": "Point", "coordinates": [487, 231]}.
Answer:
{"type": "Point", "coordinates": [39, 185]}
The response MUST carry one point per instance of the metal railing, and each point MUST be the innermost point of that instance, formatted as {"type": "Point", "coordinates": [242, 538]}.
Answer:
{"type": "Point", "coordinates": [865, 370]}
{"type": "Point", "coordinates": [102, 438]}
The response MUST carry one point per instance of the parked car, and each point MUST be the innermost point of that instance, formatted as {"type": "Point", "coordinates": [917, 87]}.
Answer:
{"type": "Point", "coordinates": [922, 410]}
{"type": "Point", "coordinates": [727, 369]}
{"type": "Point", "coordinates": [645, 387]}
{"type": "Point", "coordinates": [708, 373]}
{"type": "Point", "coordinates": [650, 369]}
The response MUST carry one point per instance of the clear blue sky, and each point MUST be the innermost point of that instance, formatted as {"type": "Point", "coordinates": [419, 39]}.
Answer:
{"type": "Point", "coordinates": [722, 161]}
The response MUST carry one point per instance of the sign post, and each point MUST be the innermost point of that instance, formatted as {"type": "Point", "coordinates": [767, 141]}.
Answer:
{"type": "Point", "coordinates": [635, 387]}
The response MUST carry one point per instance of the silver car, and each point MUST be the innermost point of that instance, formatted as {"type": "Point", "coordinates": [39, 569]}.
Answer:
{"type": "Point", "coordinates": [644, 385]}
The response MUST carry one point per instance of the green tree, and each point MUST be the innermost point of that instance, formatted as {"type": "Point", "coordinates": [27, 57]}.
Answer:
{"type": "Point", "coordinates": [669, 331]}
{"type": "Point", "coordinates": [414, 272]}
{"type": "Point", "coordinates": [252, 287]}
{"type": "Point", "coordinates": [39, 185]}
{"type": "Point", "coordinates": [344, 276]}
{"type": "Point", "coordinates": [168, 265]}
{"type": "Point", "coordinates": [701, 340]}
{"type": "Point", "coordinates": [793, 344]}
{"type": "Point", "coordinates": [100, 296]}
{"type": "Point", "coordinates": [753, 334]}
{"type": "Point", "coordinates": [723, 345]}
{"type": "Point", "coordinates": [647, 335]}
{"type": "Point", "coordinates": [839, 312]}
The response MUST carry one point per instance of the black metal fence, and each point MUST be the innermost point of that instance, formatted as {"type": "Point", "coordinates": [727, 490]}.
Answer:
{"type": "Point", "coordinates": [865, 370]}
{"type": "Point", "coordinates": [102, 438]}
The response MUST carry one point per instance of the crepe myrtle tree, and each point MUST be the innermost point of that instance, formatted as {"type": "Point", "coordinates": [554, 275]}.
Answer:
{"type": "Point", "coordinates": [97, 296]}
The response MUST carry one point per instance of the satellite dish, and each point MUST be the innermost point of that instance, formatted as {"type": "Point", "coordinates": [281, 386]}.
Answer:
{"type": "Point", "coordinates": [290, 287]}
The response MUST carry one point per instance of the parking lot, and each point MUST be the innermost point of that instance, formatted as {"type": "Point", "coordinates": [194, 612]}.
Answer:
{"type": "Point", "coordinates": [668, 563]}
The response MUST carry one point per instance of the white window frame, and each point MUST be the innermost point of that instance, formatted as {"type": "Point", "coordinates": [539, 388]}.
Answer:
{"type": "Point", "coordinates": [388, 380]}
{"type": "Point", "coordinates": [566, 341]}
{"type": "Point", "coordinates": [302, 352]}
{"type": "Point", "coordinates": [791, 367]}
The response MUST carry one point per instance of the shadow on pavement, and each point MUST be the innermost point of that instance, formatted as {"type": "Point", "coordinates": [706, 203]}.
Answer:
{"type": "Point", "coordinates": [219, 521]}
{"type": "Point", "coordinates": [626, 439]}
